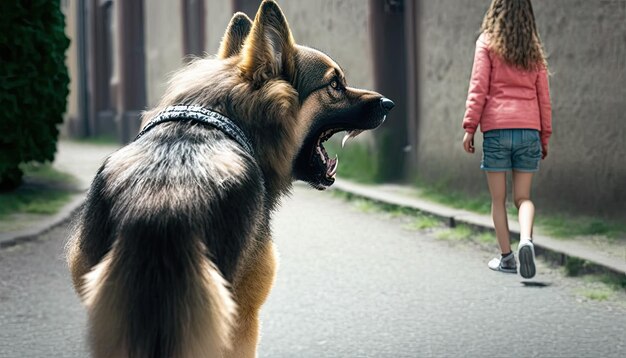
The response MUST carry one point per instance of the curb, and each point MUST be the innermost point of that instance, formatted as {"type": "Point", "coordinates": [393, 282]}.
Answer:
{"type": "Point", "coordinates": [558, 251]}
{"type": "Point", "coordinates": [31, 234]}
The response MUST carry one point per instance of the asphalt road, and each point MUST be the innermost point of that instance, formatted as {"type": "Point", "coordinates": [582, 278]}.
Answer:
{"type": "Point", "coordinates": [350, 284]}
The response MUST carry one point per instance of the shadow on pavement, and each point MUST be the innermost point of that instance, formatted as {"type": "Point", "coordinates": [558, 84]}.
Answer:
{"type": "Point", "coordinates": [536, 284]}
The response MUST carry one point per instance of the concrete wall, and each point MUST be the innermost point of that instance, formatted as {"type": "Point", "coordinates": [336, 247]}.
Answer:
{"type": "Point", "coordinates": [71, 61]}
{"type": "Point", "coordinates": [586, 42]}
{"type": "Point", "coordinates": [163, 38]}
{"type": "Point", "coordinates": [337, 27]}
{"type": "Point", "coordinates": [217, 15]}
{"type": "Point", "coordinates": [164, 43]}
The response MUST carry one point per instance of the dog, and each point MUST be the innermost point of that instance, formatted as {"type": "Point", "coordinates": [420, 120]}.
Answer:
{"type": "Point", "coordinates": [171, 252]}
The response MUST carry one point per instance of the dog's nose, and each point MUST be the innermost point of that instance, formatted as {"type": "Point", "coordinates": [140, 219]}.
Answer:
{"type": "Point", "coordinates": [387, 104]}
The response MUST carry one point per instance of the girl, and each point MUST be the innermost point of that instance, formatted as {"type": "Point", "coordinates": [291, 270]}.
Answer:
{"type": "Point", "coordinates": [509, 98]}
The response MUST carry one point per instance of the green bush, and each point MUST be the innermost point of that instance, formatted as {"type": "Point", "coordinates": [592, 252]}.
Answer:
{"type": "Point", "coordinates": [33, 84]}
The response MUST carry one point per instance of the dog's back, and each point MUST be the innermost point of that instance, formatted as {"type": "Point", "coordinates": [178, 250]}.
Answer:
{"type": "Point", "coordinates": [176, 197]}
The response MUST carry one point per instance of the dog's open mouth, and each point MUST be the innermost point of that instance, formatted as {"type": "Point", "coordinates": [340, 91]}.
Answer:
{"type": "Point", "coordinates": [312, 163]}
{"type": "Point", "coordinates": [323, 166]}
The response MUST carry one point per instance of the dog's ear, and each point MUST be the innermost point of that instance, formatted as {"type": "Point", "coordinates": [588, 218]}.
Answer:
{"type": "Point", "coordinates": [268, 51]}
{"type": "Point", "coordinates": [236, 33]}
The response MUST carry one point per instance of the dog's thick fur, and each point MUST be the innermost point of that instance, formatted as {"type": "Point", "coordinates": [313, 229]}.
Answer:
{"type": "Point", "coordinates": [171, 253]}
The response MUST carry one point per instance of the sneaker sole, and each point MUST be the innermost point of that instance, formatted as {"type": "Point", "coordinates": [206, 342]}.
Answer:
{"type": "Point", "coordinates": [526, 262]}
{"type": "Point", "coordinates": [514, 271]}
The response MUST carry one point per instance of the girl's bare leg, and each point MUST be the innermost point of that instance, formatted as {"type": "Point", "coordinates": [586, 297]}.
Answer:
{"type": "Point", "coordinates": [526, 209]}
{"type": "Point", "coordinates": [497, 188]}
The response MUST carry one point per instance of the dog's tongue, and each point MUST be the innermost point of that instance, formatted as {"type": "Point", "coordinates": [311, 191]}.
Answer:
{"type": "Point", "coordinates": [350, 134]}
{"type": "Point", "coordinates": [331, 167]}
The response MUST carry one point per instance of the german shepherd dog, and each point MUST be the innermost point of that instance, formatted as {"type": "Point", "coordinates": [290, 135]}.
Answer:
{"type": "Point", "coordinates": [171, 253]}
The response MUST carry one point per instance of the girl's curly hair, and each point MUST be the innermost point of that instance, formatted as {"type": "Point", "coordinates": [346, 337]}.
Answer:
{"type": "Point", "coordinates": [513, 32]}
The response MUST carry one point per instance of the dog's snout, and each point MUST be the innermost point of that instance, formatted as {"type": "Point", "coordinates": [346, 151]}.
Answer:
{"type": "Point", "coordinates": [387, 104]}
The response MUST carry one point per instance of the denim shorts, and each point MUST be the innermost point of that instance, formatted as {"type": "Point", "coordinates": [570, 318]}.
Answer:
{"type": "Point", "coordinates": [511, 149]}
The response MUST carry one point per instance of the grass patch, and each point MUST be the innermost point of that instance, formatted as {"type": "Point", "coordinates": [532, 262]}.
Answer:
{"type": "Point", "coordinates": [568, 226]}
{"type": "Point", "coordinates": [341, 194]}
{"type": "Point", "coordinates": [423, 222]}
{"type": "Point", "coordinates": [440, 193]}
{"type": "Point", "coordinates": [366, 206]}
{"type": "Point", "coordinates": [418, 221]}
{"type": "Point", "coordinates": [597, 294]}
{"type": "Point", "coordinates": [603, 286]}
{"type": "Point", "coordinates": [459, 233]}
{"type": "Point", "coordinates": [398, 212]}
{"type": "Point", "coordinates": [45, 191]}
{"type": "Point", "coordinates": [486, 238]}
{"type": "Point", "coordinates": [356, 161]}
{"type": "Point", "coordinates": [45, 172]}
{"type": "Point", "coordinates": [98, 140]}
{"type": "Point", "coordinates": [613, 281]}
{"type": "Point", "coordinates": [32, 201]}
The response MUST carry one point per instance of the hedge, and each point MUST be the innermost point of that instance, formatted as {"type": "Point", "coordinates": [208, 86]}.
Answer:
{"type": "Point", "coordinates": [33, 84]}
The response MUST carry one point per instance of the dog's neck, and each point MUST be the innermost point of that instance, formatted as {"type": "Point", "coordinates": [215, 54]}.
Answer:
{"type": "Point", "coordinates": [200, 115]}
{"type": "Point", "coordinates": [275, 184]}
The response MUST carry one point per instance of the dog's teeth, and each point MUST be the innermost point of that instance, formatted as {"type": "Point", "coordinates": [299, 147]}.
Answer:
{"type": "Point", "coordinates": [350, 134]}
{"type": "Point", "coordinates": [333, 167]}
{"type": "Point", "coordinates": [355, 133]}
{"type": "Point", "coordinates": [345, 139]}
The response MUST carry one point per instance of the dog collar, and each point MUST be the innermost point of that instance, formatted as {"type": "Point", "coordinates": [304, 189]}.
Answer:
{"type": "Point", "coordinates": [201, 115]}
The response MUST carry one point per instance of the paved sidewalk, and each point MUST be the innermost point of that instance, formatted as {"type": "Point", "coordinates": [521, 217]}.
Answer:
{"type": "Point", "coordinates": [82, 160]}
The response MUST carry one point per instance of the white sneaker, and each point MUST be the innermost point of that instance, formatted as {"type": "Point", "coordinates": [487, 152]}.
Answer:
{"type": "Point", "coordinates": [526, 252]}
{"type": "Point", "coordinates": [506, 264]}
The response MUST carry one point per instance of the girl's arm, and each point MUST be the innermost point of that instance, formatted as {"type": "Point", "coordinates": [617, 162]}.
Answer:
{"type": "Point", "coordinates": [478, 87]}
{"type": "Point", "coordinates": [545, 108]}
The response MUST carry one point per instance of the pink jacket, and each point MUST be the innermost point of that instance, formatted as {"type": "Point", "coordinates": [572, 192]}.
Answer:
{"type": "Point", "coordinates": [501, 96]}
